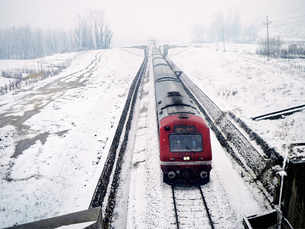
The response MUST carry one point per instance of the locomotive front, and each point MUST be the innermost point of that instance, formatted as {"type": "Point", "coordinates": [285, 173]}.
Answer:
{"type": "Point", "coordinates": [185, 148]}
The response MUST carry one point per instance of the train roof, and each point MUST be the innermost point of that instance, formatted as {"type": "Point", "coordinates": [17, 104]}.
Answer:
{"type": "Point", "coordinates": [171, 97]}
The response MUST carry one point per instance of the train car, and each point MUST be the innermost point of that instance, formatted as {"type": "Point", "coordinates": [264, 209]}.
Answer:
{"type": "Point", "coordinates": [185, 147]}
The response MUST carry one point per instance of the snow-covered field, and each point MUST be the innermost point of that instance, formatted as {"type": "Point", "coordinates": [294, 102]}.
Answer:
{"type": "Point", "coordinates": [11, 68]}
{"type": "Point", "coordinates": [145, 201]}
{"type": "Point", "coordinates": [55, 134]}
{"type": "Point", "coordinates": [249, 85]}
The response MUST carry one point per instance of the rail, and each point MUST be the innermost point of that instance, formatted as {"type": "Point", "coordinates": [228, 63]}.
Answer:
{"type": "Point", "coordinates": [94, 213]}
{"type": "Point", "coordinates": [201, 216]}
{"type": "Point", "coordinates": [116, 153]}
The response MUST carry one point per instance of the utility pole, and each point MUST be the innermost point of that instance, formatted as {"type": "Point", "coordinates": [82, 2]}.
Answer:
{"type": "Point", "coordinates": [268, 46]}
{"type": "Point", "coordinates": [223, 33]}
{"type": "Point", "coordinates": [223, 37]}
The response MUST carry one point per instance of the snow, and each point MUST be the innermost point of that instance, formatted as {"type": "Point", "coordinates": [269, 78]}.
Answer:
{"type": "Point", "coordinates": [23, 67]}
{"type": "Point", "coordinates": [140, 176]}
{"type": "Point", "coordinates": [239, 193]}
{"type": "Point", "coordinates": [6, 65]}
{"type": "Point", "coordinates": [240, 81]}
{"type": "Point", "coordinates": [55, 135]}
{"type": "Point", "coordinates": [144, 201]}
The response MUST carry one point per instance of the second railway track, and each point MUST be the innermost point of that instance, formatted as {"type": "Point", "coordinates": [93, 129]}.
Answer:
{"type": "Point", "coordinates": [106, 189]}
{"type": "Point", "coordinates": [162, 206]}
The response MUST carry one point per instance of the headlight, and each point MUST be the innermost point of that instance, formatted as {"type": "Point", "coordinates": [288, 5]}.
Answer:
{"type": "Point", "coordinates": [186, 158]}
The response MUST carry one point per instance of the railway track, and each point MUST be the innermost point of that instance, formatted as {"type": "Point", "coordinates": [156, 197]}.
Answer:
{"type": "Point", "coordinates": [191, 208]}
{"type": "Point", "coordinates": [194, 207]}
{"type": "Point", "coordinates": [103, 199]}
{"type": "Point", "coordinates": [106, 189]}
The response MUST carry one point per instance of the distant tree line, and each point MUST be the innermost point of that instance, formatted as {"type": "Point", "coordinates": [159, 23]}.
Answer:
{"type": "Point", "coordinates": [224, 28]}
{"type": "Point", "coordinates": [271, 49]}
{"type": "Point", "coordinates": [90, 32]}
{"type": "Point", "coordinates": [277, 48]}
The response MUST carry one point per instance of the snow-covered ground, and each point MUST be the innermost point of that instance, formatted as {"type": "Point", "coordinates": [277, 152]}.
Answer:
{"type": "Point", "coordinates": [16, 68]}
{"type": "Point", "coordinates": [55, 134]}
{"type": "Point", "coordinates": [249, 85]}
{"type": "Point", "coordinates": [144, 201]}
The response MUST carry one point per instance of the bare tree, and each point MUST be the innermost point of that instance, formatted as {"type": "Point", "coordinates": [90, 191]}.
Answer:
{"type": "Point", "coordinates": [91, 32]}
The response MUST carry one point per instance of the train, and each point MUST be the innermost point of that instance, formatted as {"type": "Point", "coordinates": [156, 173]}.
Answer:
{"type": "Point", "coordinates": [184, 137]}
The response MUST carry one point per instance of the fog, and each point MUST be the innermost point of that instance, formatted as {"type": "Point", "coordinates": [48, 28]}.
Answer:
{"type": "Point", "coordinates": [135, 21]}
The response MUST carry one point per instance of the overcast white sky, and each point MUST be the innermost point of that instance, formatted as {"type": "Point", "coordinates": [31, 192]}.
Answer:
{"type": "Point", "coordinates": [138, 20]}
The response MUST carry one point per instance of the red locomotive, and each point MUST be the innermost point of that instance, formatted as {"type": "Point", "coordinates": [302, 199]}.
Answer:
{"type": "Point", "coordinates": [185, 147]}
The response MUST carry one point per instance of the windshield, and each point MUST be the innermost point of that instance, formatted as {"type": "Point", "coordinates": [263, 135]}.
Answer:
{"type": "Point", "coordinates": [182, 143]}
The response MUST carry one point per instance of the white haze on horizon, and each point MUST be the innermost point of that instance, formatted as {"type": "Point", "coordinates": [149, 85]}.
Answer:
{"type": "Point", "coordinates": [139, 20]}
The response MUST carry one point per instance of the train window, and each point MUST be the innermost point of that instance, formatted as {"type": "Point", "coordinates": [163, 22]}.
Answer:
{"type": "Point", "coordinates": [185, 143]}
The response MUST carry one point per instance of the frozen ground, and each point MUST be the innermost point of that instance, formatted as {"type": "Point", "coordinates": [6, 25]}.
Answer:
{"type": "Point", "coordinates": [249, 85]}
{"type": "Point", "coordinates": [144, 201]}
{"type": "Point", "coordinates": [55, 134]}
{"type": "Point", "coordinates": [16, 68]}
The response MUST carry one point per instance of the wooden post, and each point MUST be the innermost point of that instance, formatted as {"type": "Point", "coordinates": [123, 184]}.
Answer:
{"type": "Point", "coordinates": [294, 189]}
